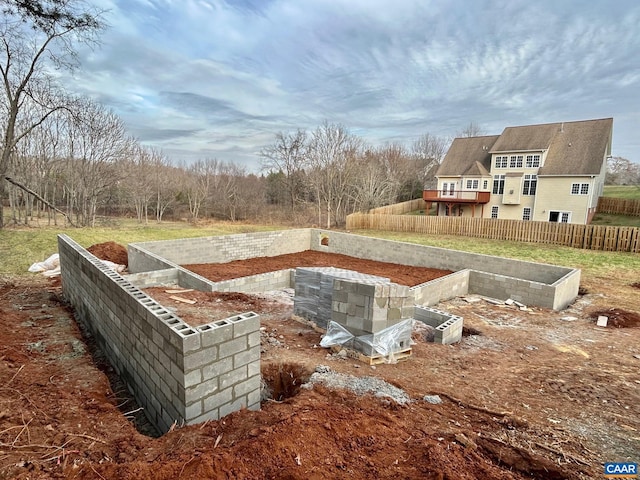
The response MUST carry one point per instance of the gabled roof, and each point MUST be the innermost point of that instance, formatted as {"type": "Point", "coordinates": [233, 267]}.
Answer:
{"type": "Point", "coordinates": [468, 156]}
{"type": "Point", "coordinates": [573, 148]}
{"type": "Point", "coordinates": [579, 148]}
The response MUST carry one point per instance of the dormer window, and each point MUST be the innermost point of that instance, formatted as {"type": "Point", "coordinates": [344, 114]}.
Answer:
{"type": "Point", "coordinates": [502, 161]}
{"type": "Point", "coordinates": [533, 161]}
{"type": "Point", "coordinates": [515, 161]}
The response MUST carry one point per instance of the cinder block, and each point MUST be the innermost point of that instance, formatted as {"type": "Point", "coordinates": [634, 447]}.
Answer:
{"type": "Point", "coordinates": [229, 379]}
{"type": "Point", "coordinates": [246, 323]}
{"type": "Point", "coordinates": [234, 406]}
{"type": "Point", "coordinates": [200, 358]}
{"type": "Point", "coordinates": [213, 402]}
{"type": "Point", "coordinates": [232, 347]}
{"type": "Point", "coordinates": [247, 356]}
{"type": "Point", "coordinates": [201, 390]}
{"type": "Point", "coordinates": [249, 385]}
{"type": "Point", "coordinates": [192, 378]}
{"type": "Point", "coordinates": [216, 333]}
{"type": "Point", "coordinates": [217, 368]}
{"type": "Point", "coordinates": [194, 410]}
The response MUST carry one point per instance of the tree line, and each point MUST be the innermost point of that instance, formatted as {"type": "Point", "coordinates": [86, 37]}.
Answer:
{"type": "Point", "coordinates": [61, 153]}
{"type": "Point", "coordinates": [85, 165]}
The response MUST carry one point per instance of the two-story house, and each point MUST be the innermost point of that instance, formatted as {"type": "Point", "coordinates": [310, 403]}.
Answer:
{"type": "Point", "coordinates": [552, 172]}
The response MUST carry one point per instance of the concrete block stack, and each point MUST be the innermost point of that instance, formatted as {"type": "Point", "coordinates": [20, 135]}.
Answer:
{"type": "Point", "coordinates": [366, 305]}
{"type": "Point", "coordinates": [314, 291]}
{"type": "Point", "coordinates": [369, 309]}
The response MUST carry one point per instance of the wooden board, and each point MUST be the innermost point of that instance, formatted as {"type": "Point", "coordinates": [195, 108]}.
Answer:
{"type": "Point", "coordinates": [375, 359]}
{"type": "Point", "coordinates": [181, 299]}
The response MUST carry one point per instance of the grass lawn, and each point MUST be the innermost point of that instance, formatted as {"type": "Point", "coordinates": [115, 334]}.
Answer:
{"type": "Point", "coordinates": [21, 247]}
{"type": "Point", "coordinates": [594, 263]}
{"type": "Point", "coordinates": [631, 192]}
{"type": "Point", "coordinates": [616, 220]}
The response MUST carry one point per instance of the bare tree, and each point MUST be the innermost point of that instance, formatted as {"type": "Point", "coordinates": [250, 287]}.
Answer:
{"type": "Point", "coordinates": [289, 155]}
{"type": "Point", "coordinates": [32, 34]}
{"type": "Point", "coordinates": [471, 130]}
{"type": "Point", "coordinates": [98, 143]}
{"type": "Point", "coordinates": [137, 185]}
{"type": "Point", "coordinates": [330, 149]}
{"type": "Point", "coordinates": [428, 151]}
{"type": "Point", "coordinates": [622, 171]}
{"type": "Point", "coordinates": [199, 179]}
{"type": "Point", "coordinates": [166, 188]}
{"type": "Point", "coordinates": [371, 186]}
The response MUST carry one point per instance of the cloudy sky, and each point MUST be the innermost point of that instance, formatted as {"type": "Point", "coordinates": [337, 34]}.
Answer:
{"type": "Point", "coordinates": [216, 78]}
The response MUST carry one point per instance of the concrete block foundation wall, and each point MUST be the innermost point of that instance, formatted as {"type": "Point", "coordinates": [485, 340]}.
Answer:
{"type": "Point", "coordinates": [559, 284]}
{"type": "Point", "coordinates": [448, 327]}
{"type": "Point", "coordinates": [433, 257]}
{"type": "Point", "coordinates": [176, 372]}
{"type": "Point", "coordinates": [168, 276]}
{"type": "Point", "coordinates": [441, 289]}
{"type": "Point", "coordinates": [219, 249]}
{"type": "Point", "coordinates": [563, 282]}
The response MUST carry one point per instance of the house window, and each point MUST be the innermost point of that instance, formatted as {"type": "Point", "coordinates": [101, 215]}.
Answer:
{"type": "Point", "coordinates": [498, 184]}
{"type": "Point", "coordinates": [445, 188]}
{"type": "Point", "coordinates": [485, 184]}
{"type": "Point", "coordinates": [526, 213]}
{"type": "Point", "coordinates": [468, 184]}
{"type": "Point", "coordinates": [472, 184]}
{"type": "Point", "coordinates": [501, 161]}
{"type": "Point", "coordinates": [533, 161]}
{"type": "Point", "coordinates": [494, 211]}
{"type": "Point", "coordinates": [579, 189]}
{"type": "Point", "coordinates": [452, 187]}
{"type": "Point", "coordinates": [559, 217]}
{"type": "Point", "coordinates": [530, 184]}
{"type": "Point", "coordinates": [515, 161]}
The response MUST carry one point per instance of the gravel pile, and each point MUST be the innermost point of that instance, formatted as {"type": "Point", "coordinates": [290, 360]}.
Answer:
{"type": "Point", "coordinates": [359, 385]}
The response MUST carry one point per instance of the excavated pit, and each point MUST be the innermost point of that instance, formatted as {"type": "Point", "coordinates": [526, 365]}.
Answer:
{"type": "Point", "coordinates": [283, 380]}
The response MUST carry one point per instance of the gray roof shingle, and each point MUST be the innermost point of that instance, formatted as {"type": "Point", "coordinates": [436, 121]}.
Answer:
{"type": "Point", "coordinates": [468, 156]}
{"type": "Point", "coordinates": [574, 148]}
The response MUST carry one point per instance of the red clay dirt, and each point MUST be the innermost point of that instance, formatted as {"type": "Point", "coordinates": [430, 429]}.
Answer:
{"type": "Point", "coordinates": [618, 318]}
{"type": "Point", "coordinates": [111, 251]}
{"type": "Point", "coordinates": [539, 394]}
{"type": "Point", "coordinates": [404, 274]}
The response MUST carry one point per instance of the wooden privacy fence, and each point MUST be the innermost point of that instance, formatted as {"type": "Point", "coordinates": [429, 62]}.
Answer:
{"type": "Point", "coordinates": [399, 208]}
{"type": "Point", "coordinates": [619, 206]}
{"type": "Point", "coordinates": [593, 237]}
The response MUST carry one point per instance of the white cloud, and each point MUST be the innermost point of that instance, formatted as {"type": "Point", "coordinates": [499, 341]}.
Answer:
{"type": "Point", "coordinates": [235, 73]}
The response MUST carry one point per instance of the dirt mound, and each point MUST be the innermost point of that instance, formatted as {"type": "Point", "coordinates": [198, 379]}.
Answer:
{"type": "Point", "coordinates": [618, 318]}
{"type": "Point", "coordinates": [110, 251]}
